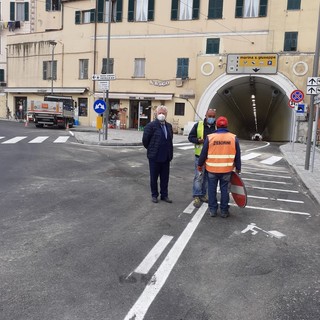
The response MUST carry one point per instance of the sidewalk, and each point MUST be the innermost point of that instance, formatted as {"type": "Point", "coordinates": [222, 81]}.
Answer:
{"type": "Point", "coordinates": [115, 137]}
{"type": "Point", "coordinates": [295, 155]}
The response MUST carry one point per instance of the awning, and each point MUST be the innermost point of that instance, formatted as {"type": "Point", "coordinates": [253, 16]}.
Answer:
{"type": "Point", "coordinates": [137, 96]}
{"type": "Point", "coordinates": [56, 90]}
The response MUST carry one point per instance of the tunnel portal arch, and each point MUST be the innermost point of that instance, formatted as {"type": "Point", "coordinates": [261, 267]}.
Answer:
{"type": "Point", "coordinates": [231, 96]}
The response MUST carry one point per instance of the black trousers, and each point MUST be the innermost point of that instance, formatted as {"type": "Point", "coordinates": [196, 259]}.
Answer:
{"type": "Point", "coordinates": [162, 170]}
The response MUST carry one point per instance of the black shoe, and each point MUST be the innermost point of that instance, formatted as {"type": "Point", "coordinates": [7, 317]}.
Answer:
{"type": "Point", "coordinates": [224, 214]}
{"type": "Point", "coordinates": [213, 214]}
{"type": "Point", "coordinates": [166, 199]}
{"type": "Point", "coordinates": [154, 200]}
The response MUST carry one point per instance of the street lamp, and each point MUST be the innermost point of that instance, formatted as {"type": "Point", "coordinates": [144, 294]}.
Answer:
{"type": "Point", "coordinates": [53, 44]}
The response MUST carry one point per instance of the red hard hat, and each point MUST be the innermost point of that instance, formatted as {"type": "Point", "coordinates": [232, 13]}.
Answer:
{"type": "Point", "coordinates": [222, 122]}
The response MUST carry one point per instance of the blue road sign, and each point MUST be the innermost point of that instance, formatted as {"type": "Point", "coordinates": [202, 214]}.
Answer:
{"type": "Point", "coordinates": [300, 108]}
{"type": "Point", "coordinates": [99, 106]}
{"type": "Point", "coordinates": [297, 96]}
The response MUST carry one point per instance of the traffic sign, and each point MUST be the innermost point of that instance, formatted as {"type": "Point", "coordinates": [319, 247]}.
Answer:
{"type": "Point", "coordinates": [291, 104]}
{"type": "Point", "coordinates": [297, 95]}
{"type": "Point", "coordinates": [313, 85]}
{"type": "Point", "coordinates": [104, 85]}
{"type": "Point", "coordinates": [300, 108]}
{"type": "Point", "coordinates": [238, 190]}
{"type": "Point", "coordinates": [103, 77]}
{"type": "Point", "coordinates": [99, 106]}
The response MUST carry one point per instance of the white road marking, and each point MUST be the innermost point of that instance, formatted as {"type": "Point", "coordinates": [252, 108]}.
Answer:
{"type": "Point", "coordinates": [272, 189]}
{"type": "Point", "coordinates": [266, 175]}
{"type": "Point", "coordinates": [271, 160]}
{"type": "Point", "coordinates": [2, 137]}
{"type": "Point", "coordinates": [274, 210]}
{"type": "Point", "coordinates": [255, 169]}
{"type": "Point", "coordinates": [189, 209]}
{"type": "Point", "coordinates": [61, 139]}
{"type": "Point", "coordinates": [14, 140]}
{"type": "Point", "coordinates": [140, 308]}
{"type": "Point", "coordinates": [266, 181]}
{"type": "Point", "coordinates": [186, 147]}
{"type": "Point", "coordinates": [38, 139]}
{"type": "Point", "coordinates": [250, 156]}
{"type": "Point", "coordinates": [275, 199]}
{"type": "Point", "coordinates": [147, 263]}
{"type": "Point", "coordinates": [255, 229]}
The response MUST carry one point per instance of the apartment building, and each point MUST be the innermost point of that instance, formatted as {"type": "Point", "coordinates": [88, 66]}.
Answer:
{"type": "Point", "coordinates": [186, 54]}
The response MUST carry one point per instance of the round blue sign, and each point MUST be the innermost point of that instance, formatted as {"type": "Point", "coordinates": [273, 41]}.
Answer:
{"type": "Point", "coordinates": [99, 106]}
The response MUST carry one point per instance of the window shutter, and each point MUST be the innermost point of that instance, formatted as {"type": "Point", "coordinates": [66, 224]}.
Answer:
{"type": "Point", "coordinates": [55, 70]}
{"type": "Point", "coordinates": [44, 69]}
{"type": "Point", "coordinates": [92, 15]}
{"type": "Point", "coordinates": [174, 10]}
{"type": "Point", "coordinates": [48, 5]}
{"type": "Point", "coordinates": [26, 11]}
{"type": "Point", "coordinates": [150, 10]}
{"type": "Point", "coordinates": [119, 11]}
{"type": "Point", "coordinates": [183, 66]}
{"type": "Point", "coordinates": [2, 75]}
{"type": "Point", "coordinates": [12, 11]}
{"type": "Point", "coordinates": [195, 9]}
{"type": "Point", "coordinates": [131, 10]}
{"type": "Point", "coordinates": [77, 17]}
{"type": "Point", "coordinates": [239, 9]}
{"type": "Point", "coordinates": [100, 10]}
{"type": "Point", "coordinates": [263, 8]}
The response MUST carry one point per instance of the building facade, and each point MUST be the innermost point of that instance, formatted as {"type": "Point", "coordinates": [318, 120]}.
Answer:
{"type": "Point", "coordinates": [184, 54]}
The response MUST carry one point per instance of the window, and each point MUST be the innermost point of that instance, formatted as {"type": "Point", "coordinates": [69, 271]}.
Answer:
{"type": "Point", "coordinates": [86, 16]}
{"type": "Point", "coordinates": [290, 41]}
{"type": "Point", "coordinates": [47, 70]}
{"type": "Point", "coordinates": [293, 4]}
{"type": "Point", "coordinates": [185, 9]}
{"type": "Point", "coordinates": [107, 67]}
{"type": "Point", "coordinates": [139, 67]}
{"type": "Point", "coordinates": [179, 108]}
{"type": "Point", "coordinates": [83, 107]}
{"type": "Point", "coordinates": [103, 10]}
{"type": "Point", "coordinates": [141, 10]}
{"type": "Point", "coordinates": [251, 8]}
{"type": "Point", "coordinates": [19, 11]}
{"type": "Point", "coordinates": [215, 9]}
{"type": "Point", "coordinates": [83, 68]}
{"type": "Point", "coordinates": [213, 46]}
{"type": "Point", "coordinates": [182, 68]}
{"type": "Point", "coordinates": [53, 5]}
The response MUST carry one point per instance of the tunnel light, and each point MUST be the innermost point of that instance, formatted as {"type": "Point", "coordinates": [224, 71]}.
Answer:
{"type": "Point", "coordinates": [253, 96]}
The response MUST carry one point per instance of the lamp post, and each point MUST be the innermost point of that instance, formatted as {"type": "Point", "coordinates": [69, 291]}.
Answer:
{"type": "Point", "coordinates": [53, 44]}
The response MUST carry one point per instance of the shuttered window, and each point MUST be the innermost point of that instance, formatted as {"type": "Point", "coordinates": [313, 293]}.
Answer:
{"type": "Point", "coordinates": [215, 9]}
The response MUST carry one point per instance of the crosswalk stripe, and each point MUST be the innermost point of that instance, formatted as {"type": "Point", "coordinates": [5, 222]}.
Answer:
{"type": "Point", "coordinates": [186, 147]}
{"type": "Point", "coordinates": [14, 140]}
{"type": "Point", "coordinates": [1, 137]}
{"type": "Point", "coordinates": [271, 160]}
{"type": "Point", "coordinates": [250, 156]}
{"type": "Point", "coordinates": [61, 139]}
{"type": "Point", "coordinates": [39, 139]}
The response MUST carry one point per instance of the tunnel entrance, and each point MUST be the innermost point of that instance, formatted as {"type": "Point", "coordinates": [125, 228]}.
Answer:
{"type": "Point", "coordinates": [253, 104]}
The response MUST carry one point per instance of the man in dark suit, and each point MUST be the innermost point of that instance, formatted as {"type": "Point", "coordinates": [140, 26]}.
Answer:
{"type": "Point", "coordinates": [158, 140]}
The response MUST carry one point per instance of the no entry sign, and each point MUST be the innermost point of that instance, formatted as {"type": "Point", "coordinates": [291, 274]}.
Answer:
{"type": "Point", "coordinates": [297, 96]}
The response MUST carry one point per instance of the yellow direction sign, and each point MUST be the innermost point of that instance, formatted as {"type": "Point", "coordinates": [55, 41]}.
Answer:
{"type": "Point", "coordinates": [252, 63]}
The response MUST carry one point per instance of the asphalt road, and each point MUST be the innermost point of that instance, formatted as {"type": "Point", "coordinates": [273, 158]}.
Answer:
{"type": "Point", "coordinates": [81, 239]}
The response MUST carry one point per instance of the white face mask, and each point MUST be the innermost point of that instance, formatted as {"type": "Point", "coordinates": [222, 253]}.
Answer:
{"type": "Point", "coordinates": [161, 117]}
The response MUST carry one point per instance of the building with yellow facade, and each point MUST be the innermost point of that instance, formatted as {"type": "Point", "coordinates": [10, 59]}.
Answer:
{"type": "Point", "coordinates": [242, 57]}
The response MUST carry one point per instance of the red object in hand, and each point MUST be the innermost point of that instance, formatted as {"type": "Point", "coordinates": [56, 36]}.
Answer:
{"type": "Point", "coordinates": [199, 168]}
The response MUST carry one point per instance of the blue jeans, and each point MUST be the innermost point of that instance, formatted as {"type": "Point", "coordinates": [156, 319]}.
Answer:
{"type": "Point", "coordinates": [223, 179]}
{"type": "Point", "coordinates": [200, 181]}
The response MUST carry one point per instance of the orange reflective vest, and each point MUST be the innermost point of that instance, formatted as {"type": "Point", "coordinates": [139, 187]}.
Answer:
{"type": "Point", "coordinates": [221, 152]}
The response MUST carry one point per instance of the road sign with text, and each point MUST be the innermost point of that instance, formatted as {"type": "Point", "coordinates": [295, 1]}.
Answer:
{"type": "Point", "coordinates": [103, 77]}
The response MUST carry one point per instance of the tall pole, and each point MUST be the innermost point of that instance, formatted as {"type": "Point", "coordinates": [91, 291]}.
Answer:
{"type": "Point", "coordinates": [53, 44]}
{"type": "Point", "coordinates": [311, 110]}
{"type": "Point", "coordinates": [106, 113]}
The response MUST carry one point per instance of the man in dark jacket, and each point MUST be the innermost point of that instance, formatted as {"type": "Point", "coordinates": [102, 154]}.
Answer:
{"type": "Point", "coordinates": [197, 136]}
{"type": "Point", "coordinates": [158, 140]}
